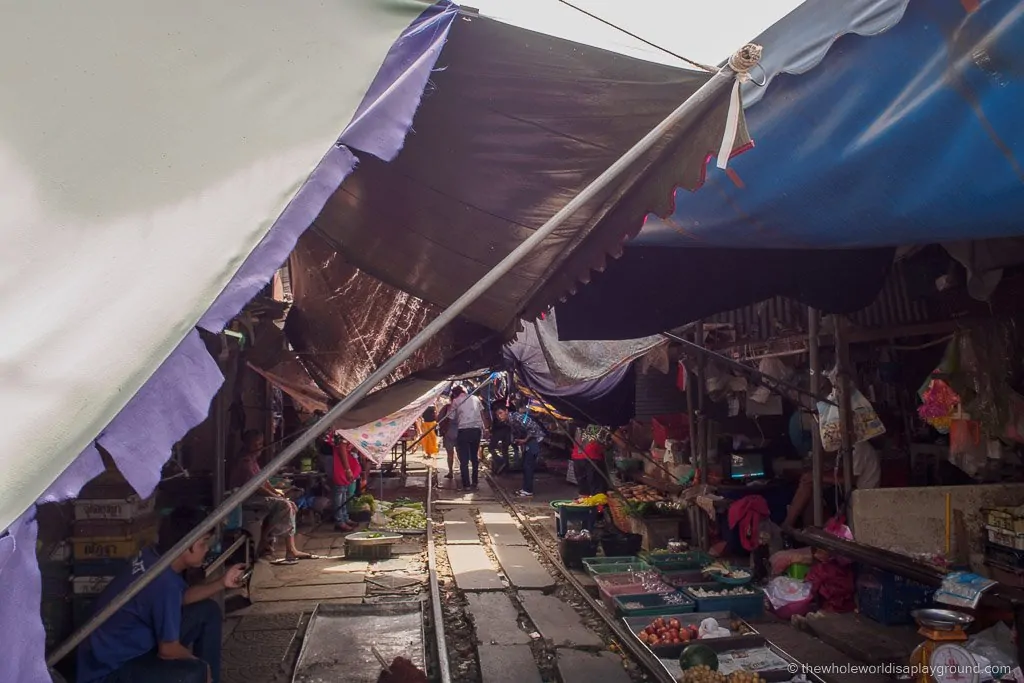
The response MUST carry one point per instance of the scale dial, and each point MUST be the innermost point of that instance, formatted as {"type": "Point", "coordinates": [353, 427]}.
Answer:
{"type": "Point", "coordinates": [953, 664]}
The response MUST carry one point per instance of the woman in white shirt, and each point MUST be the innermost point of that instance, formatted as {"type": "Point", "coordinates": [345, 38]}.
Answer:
{"type": "Point", "coordinates": [472, 419]}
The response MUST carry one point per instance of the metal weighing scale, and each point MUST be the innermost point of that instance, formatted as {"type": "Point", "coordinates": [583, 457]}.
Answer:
{"type": "Point", "coordinates": [950, 662]}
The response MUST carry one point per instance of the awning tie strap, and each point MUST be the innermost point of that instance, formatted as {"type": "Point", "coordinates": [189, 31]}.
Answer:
{"type": "Point", "coordinates": [741, 62]}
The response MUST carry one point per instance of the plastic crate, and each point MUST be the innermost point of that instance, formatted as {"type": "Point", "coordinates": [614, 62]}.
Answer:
{"type": "Point", "coordinates": [674, 562]}
{"type": "Point", "coordinates": [621, 544]}
{"type": "Point", "coordinates": [128, 508]}
{"type": "Point", "coordinates": [1005, 538]}
{"type": "Point", "coordinates": [656, 604]}
{"type": "Point", "coordinates": [622, 568]}
{"type": "Point", "coordinates": [115, 528]}
{"type": "Point", "coordinates": [746, 606]}
{"type": "Point", "coordinates": [589, 562]}
{"type": "Point", "coordinates": [100, 567]}
{"type": "Point", "coordinates": [583, 515]}
{"type": "Point", "coordinates": [57, 622]}
{"type": "Point", "coordinates": [889, 598]}
{"type": "Point", "coordinates": [681, 579]}
{"type": "Point", "coordinates": [575, 552]}
{"type": "Point", "coordinates": [1010, 558]}
{"type": "Point", "coordinates": [90, 585]}
{"type": "Point", "coordinates": [82, 608]}
{"type": "Point", "coordinates": [610, 585]}
{"type": "Point", "coordinates": [56, 578]}
{"type": "Point", "coordinates": [1009, 519]}
{"type": "Point", "coordinates": [86, 549]}
{"type": "Point", "coordinates": [674, 426]}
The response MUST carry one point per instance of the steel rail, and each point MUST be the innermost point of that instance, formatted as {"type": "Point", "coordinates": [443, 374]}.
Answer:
{"type": "Point", "coordinates": [625, 638]}
{"type": "Point", "coordinates": [443, 665]}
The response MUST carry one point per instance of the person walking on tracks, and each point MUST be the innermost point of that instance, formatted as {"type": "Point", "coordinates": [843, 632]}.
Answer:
{"type": "Point", "coordinates": [527, 434]}
{"type": "Point", "coordinates": [472, 419]}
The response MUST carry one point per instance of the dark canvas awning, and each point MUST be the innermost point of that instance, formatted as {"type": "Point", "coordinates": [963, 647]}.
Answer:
{"type": "Point", "coordinates": [344, 324]}
{"type": "Point", "coordinates": [514, 125]}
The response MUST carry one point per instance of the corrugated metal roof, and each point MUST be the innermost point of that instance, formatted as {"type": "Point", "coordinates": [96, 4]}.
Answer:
{"type": "Point", "coordinates": [780, 317]}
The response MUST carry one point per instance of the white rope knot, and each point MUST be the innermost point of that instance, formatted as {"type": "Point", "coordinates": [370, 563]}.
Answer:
{"type": "Point", "coordinates": [741, 62]}
{"type": "Point", "coordinates": [745, 59]}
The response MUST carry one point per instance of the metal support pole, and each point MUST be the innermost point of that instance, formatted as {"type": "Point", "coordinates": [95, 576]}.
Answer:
{"type": "Point", "coordinates": [691, 411]}
{"type": "Point", "coordinates": [716, 84]}
{"type": "Point", "coordinates": [220, 446]}
{"type": "Point", "coordinates": [702, 426]}
{"type": "Point", "coordinates": [845, 409]}
{"type": "Point", "coordinates": [813, 320]}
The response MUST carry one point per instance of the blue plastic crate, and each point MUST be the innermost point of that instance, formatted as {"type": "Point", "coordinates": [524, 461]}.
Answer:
{"type": "Point", "coordinates": [890, 598]}
{"type": "Point", "coordinates": [746, 606]}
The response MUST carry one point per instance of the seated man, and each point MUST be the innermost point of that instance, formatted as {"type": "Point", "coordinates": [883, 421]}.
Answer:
{"type": "Point", "coordinates": [148, 640]}
{"type": "Point", "coordinates": [867, 474]}
{"type": "Point", "coordinates": [279, 509]}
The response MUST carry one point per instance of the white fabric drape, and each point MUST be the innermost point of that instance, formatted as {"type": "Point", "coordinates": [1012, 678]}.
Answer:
{"type": "Point", "coordinates": [145, 149]}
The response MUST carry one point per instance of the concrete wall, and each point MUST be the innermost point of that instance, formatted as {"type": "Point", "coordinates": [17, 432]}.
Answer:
{"type": "Point", "coordinates": [913, 520]}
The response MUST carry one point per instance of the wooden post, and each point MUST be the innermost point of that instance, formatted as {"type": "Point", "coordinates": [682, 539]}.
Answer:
{"type": "Point", "coordinates": [843, 393]}
{"type": "Point", "coordinates": [813, 323]}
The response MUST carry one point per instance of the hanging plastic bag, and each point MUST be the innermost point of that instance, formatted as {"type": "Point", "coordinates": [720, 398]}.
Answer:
{"type": "Point", "coordinates": [964, 437]}
{"type": "Point", "coordinates": [828, 425]}
{"type": "Point", "coordinates": [866, 424]}
{"type": "Point", "coordinates": [837, 527]}
{"type": "Point", "coordinates": [783, 590]}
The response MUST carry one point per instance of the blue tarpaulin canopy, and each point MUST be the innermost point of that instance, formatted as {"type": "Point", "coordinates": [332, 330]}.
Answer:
{"type": "Point", "coordinates": [910, 136]}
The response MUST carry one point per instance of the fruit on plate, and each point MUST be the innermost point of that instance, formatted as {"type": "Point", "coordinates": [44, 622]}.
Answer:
{"type": "Point", "coordinates": [665, 632]}
{"type": "Point", "coordinates": [697, 654]}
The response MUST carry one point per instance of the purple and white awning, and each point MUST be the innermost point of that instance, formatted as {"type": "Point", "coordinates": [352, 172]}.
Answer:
{"type": "Point", "coordinates": [157, 165]}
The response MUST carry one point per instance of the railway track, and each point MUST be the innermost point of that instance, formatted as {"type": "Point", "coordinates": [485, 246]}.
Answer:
{"type": "Point", "coordinates": [459, 654]}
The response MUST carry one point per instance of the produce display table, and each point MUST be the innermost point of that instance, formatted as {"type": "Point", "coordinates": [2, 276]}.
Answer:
{"type": "Point", "coordinates": [696, 628]}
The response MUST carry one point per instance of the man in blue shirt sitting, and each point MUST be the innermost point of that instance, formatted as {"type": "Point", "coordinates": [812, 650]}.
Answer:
{"type": "Point", "coordinates": [149, 639]}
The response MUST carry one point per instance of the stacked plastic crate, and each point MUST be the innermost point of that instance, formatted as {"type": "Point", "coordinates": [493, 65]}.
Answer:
{"type": "Point", "coordinates": [1004, 544]}
{"type": "Point", "coordinates": [112, 524]}
{"type": "Point", "coordinates": [54, 556]}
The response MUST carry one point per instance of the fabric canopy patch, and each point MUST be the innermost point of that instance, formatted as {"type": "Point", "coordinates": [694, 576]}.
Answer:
{"type": "Point", "coordinates": [376, 439]}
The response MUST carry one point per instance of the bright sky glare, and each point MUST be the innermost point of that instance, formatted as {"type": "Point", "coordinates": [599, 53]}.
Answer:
{"type": "Point", "coordinates": [707, 31]}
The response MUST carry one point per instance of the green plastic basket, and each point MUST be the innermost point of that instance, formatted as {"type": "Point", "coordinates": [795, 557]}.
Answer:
{"type": "Point", "coordinates": [589, 562]}
{"type": "Point", "coordinates": [635, 566]}
{"type": "Point", "coordinates": [798, 571]}
{"type": "Point", "coordinates": [674, 562]}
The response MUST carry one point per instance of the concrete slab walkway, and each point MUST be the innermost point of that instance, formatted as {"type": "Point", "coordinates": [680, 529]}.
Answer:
{"type": "Point", "coordinates": [585, 667]}
{"type": "Point", "coordinates": [496, 619]}
{"type": "Point", "coordinates": [460, 528]}
{"type": "Point", "coordinates": [557, 621]}
{"type": "Point", "coordinates": [502, 528]}
{"type": "Point", "coordinates": [507, 664]}
{"type": "Point", "coordinates": [523, 569]}
{"type": "Point", "coordinates": [473, 569]}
